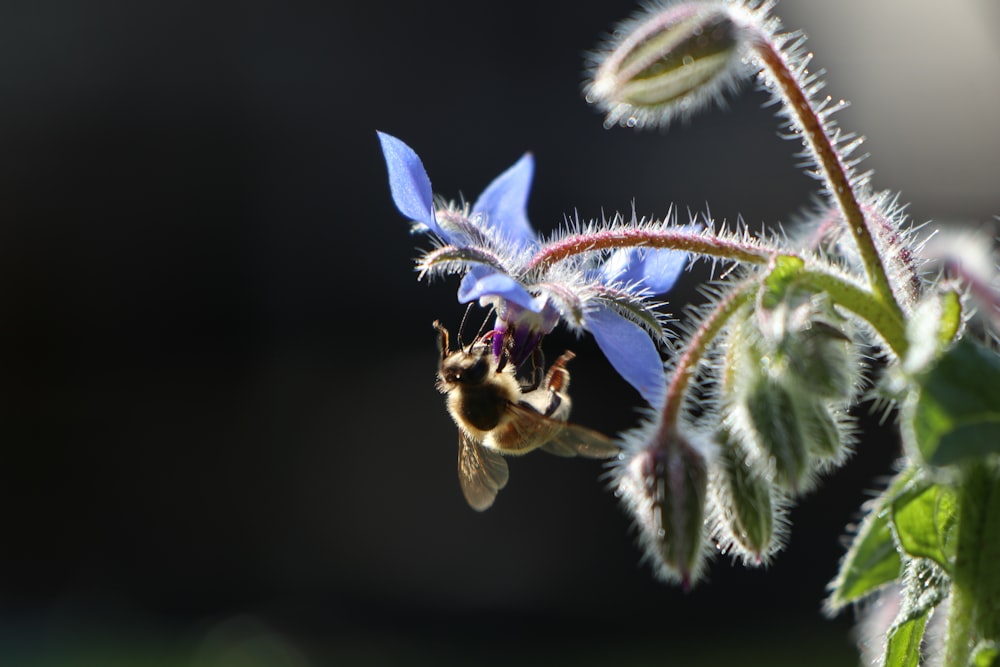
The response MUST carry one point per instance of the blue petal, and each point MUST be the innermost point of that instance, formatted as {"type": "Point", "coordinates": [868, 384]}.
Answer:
{"type": "Point", "coordinates": [630, 350]}
{"type": "Point", "coordinates": [620, 267]}
{"type": "Point", "coordinates": [408, 181]}
{"type": "Point", "coordinates": [504, 202]}
{"type": "Point", "coordinates": [478, 284]}
{"type": "Point", "coordinates": [656, 270]}
{"type": "Point", "coordinates": [662, 268]}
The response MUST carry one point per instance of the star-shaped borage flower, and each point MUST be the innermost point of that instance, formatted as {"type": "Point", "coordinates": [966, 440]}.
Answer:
{"type": "Point", "coordinates": [505, 265]}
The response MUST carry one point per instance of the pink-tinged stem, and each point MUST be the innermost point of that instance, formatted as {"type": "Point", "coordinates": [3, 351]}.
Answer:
{"type": "Point", "coordinates": [833, 168]}
{"type": "Point", "coordinates": [696, 348]}
{"type": "Point", "coordinates": [674, 239]}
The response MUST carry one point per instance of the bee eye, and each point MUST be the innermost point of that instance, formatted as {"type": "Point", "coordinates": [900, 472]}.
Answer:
{"type": "Point", "coordinates": [476, 372]}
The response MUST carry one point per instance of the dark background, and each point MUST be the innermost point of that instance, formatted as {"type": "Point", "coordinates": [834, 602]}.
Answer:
{"type": "Point", "coordinates": [220, 435]}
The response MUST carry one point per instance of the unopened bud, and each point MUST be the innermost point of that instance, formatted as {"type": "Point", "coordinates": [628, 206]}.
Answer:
{"type": "Point", "coordinates": [664, 486]}
{"type": "Point", "coordinates": [820, 429]}
{"type": "Point", "coordinates": [773, 428]}
{"type": "Point", "coordinates": [750, 513]}
{"type": "Point", "coordinates": [935, 321]}
{"type": "Point", "coordinates": [821, 358]}
{"type": "Point", "coordinates": [805, 340]}
{"type": "Point", "coordinates": [668, 61]}
{"type": "Point", "coordinates": [783, 418]}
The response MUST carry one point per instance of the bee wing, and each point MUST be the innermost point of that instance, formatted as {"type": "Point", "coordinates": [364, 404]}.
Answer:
{"type": "Point", "coordinates": [481, 473]}
{"type": "Point", "coordinates": [562, 438]}
{"type": "Point", "coordinates": [573, 440]}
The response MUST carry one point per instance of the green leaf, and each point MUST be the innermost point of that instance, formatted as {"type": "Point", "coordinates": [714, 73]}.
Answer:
{"type": "Point", "coordinates": [873, 559]}
{"type": "Point", "coordinates": [951, 316]}
{"type": "Point", "coordinates": [954, 414]}
{"type": "Point", "coordinates": [924, 586]}
{"type": "Point", "coordinates": [871, 562]}
{"type": "Point", "coordinates": [925, 522]}
{"type": "Point", "coordinates": [986, 654]}
{"type": "Point", "coordinates": [903, 645]}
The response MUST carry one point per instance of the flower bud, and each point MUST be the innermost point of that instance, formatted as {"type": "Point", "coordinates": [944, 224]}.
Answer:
{"type": "Point", "coordinates": [820, 358]}
{"type": "Point", "coordinates": [663, 484]}
{"type": "Point", "coordinates": [777, 413]}
{"type": "Point", "coordinates": [935, 321]}
{"type": "Point", "coordinates": [820, 429]}
{"type": "Point", "coordinates": [750, 513]}
{"type": "Point", "coordinates": [774, 430]}
{"type": "Point", "coordinates": [804, 340]}
{"type": "Point", "coordinates": [667, 61]}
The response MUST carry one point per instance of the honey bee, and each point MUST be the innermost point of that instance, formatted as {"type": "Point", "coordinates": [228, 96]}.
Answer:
{"type": "Point", "coordinates": [496, 416]}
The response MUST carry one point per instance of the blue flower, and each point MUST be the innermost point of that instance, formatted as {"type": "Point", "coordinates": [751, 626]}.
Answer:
{"type": "Point", "coordinates": [492, 243]}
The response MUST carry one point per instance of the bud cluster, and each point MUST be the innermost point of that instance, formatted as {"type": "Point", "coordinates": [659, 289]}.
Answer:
{"type": "Point", "coordinates": [796, 373]}
{"type": "Point", "coordinates": [776, 382]}
{"type": "Point", "coordinates": [776, 370]}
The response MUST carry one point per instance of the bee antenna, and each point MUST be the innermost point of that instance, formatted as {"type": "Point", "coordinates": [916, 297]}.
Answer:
{"type": "Point", "coordinates": [461, 327]}
{"type": "Point", "coordinates": [485, 320]}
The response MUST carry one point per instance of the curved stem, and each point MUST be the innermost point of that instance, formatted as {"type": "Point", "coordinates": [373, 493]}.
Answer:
{"type": "Point", "coordinates": [748, 251]}
{"type": "Point", "coordinates": [884, 319]}
{"type": "Point", "coordinates": [833, 169]}
{"type": "Point", "coordinates": [698, 345]}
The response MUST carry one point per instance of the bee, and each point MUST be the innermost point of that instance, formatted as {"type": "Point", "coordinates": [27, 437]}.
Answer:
{"type": "Point", "coordinates": [496, 416]}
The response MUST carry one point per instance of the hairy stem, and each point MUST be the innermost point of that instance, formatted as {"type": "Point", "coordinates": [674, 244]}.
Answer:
{"type": "Point", "coordinates": [975, 589]}
{"type": "Point", "coordinates": [698, 345]}
{"type": "Point", "coordinates": [833, 169]}
{"type": "Point", "coordinates": [958, 642]}
{"type": "Point", "coordinates": [676, 239]}
{"type": "Point", "coordinates": [884, 319]}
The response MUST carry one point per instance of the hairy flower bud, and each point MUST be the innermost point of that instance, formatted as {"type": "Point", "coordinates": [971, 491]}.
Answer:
{"type": "Point", "coordinates": [777, 404]}
{"type": "Point", "coordinates": [669, 60]}
{"type": "Point", "coordinates": [820, 429]}
{"type": "Point", "coordinates": [805, 340]}
{"type": "Point", "coordinates": [663, 483]}
{"type": "Point", "coordinates": [773, 428]}
{"type": "Point", "coordinates": [750, 512]}
{"type": "Point", "coordinates": [820, 357]}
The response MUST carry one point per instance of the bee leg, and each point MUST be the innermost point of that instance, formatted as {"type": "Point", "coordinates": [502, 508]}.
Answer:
{"type": "Point", "coordinates": [537, 370]}
{"type": "Point", "coordinates": [557, 379]}
{"type": "Point", "coordinates": [506, 343]}
{"type": "Point", "coordinates": [557, 382]}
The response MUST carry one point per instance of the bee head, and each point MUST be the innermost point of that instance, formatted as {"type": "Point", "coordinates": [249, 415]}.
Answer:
{"type": "Point", "coordinates": [467, 367]}
{"type": "Point", "coordinates": [464, 366]}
